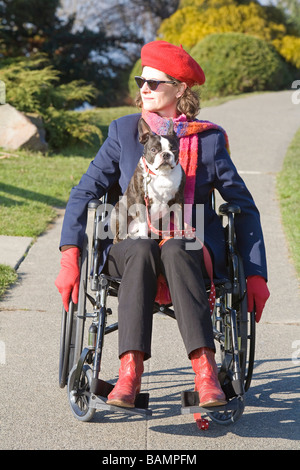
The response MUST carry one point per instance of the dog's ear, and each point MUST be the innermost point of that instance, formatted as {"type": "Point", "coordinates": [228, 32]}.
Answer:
{"type": "Point", "coordinates": [144, 131]}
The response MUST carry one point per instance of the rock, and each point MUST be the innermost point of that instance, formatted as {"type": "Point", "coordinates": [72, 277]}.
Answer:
{"type": "Point", "coordinates": [37, 121]}
{"type": "Point", "coordinates": [18, 131]}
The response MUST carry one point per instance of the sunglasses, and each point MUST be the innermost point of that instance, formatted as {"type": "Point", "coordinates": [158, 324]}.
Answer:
{"type": "Point", "coordinates": [152, 84]}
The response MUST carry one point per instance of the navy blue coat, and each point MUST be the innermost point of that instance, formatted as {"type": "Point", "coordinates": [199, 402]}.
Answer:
{"type": "Point", "coordinates": [115, 163]}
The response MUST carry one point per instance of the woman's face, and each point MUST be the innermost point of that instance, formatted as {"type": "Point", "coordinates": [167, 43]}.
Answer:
{"type": "Point", "coordinates": [163, 100]}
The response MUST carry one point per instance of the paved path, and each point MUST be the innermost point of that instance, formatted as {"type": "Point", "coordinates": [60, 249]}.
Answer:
{"type": "Point", "coordinates": [34, 411]}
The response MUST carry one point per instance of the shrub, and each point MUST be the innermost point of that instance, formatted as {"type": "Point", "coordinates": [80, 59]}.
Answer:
{"type": "Point", "coordinates": [289, 48]}
{"type": "Point", "coordinates": [65, 127]}
{"type": "Point", "coordinates": [236, 63]}
{"type": "Point", "coordinates": [32, 87]}
{"type": "Point", "coordinates": [190, 24]}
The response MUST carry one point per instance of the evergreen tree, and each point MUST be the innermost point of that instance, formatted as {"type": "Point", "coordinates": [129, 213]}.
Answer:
{"type": "Point", "coordinates": [27, 25]}
{"type": "Point", "coordinates": [31, 26]}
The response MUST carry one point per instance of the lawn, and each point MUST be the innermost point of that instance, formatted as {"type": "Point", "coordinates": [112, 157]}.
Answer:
{"type": "Point", "coordinates": [7, 276]}
{"type": "Point", "coordinates": [288, 187]}
{"type": "Point", "coordinates": [32, 187]}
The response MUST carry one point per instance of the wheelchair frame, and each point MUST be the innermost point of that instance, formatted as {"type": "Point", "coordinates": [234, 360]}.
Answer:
{"type": "Point", "coordinates": [233, 327]}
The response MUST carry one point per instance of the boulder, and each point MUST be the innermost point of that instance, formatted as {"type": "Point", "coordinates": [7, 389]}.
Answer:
{"type": "Point", "coordinates": [18, 131]}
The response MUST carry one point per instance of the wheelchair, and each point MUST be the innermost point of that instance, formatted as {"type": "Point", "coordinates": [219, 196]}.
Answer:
{"type": "Point", "coordinates": [233, 328]}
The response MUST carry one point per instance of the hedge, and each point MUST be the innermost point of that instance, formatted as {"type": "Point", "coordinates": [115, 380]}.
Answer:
{"type": "Point", "coordinates": [237, 63]}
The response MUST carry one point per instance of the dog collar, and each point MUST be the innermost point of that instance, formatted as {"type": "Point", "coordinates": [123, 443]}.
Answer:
{"type": "Point", "coordinates": [148, 167]}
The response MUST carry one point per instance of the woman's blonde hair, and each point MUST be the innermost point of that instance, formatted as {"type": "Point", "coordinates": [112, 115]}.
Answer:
{"type": "Point", "coordinates": [188, 103]}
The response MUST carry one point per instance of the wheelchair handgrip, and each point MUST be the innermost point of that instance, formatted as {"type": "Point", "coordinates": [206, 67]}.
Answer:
{"type": "Point", "coordinates": [229, 208]}
{"type": "Point", "coordinates": [94, 204]}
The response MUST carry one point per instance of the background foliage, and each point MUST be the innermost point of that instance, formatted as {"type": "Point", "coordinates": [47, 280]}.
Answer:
{"type": "Point", "coordinates": [52, 63]}
{"type": "Point", "coordinates": [243, 46]}
{"type": "Point", "coordinates": [254, 65]}
{"type": "Point", "coordinates": [196, 19]}
{"type": "Point", "coordinates": [32, 26]}
{"type": "Point", "coordinates": [32, 86]}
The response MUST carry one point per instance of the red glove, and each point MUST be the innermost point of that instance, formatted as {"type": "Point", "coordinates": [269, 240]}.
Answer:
{"type": "Point", "coordinates": [67, 282]}
{"type": "Point", "coordinates": [257, 293]}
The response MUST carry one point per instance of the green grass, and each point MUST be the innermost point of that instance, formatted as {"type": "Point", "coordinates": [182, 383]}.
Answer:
{"type": "Point", "coordinates": [288, 188]}
{"type": "Point", "coordinates": [32, 187]}
{"type": "Point", "coordinates": [7, 277]}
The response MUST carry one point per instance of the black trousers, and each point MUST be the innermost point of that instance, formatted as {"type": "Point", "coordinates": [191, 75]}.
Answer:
{"type": "Point", "coordinates": [139, 262]}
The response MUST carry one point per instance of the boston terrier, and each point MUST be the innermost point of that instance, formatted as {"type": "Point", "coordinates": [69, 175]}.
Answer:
{"type": "Point", "coordinates": [156, 186]}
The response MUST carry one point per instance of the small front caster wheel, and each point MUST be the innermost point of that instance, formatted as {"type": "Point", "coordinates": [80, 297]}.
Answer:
{"type": "Point", "coordinates": [230, 416]}
{"type": "Point", "coordinates": [79, 399]}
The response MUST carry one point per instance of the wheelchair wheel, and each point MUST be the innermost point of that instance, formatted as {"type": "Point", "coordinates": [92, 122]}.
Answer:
{"type": "Point", "coordinates": [79, 399]}
{"type": "Point", "coordinates": [72, 324]}
{"type": "Point", "coordinates": [251, 351]}
{"type": "Point", "coordinates": [67, 338]}
{"type": "Point", "coordinates": [81, 306]}
{"type": "Point", "coordinates": [239, 303]}
{"type": "Point", "coordinates": [246, 329]}
{"type": "Point", "coordinates": [245, 340]}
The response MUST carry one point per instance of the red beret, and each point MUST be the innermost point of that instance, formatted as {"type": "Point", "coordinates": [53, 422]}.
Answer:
{"type": "Point", "coordinates": [173, 61]}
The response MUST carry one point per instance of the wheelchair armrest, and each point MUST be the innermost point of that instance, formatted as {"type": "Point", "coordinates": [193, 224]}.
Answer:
{"type": "Point", "coordinates": [229, 208]}
{"type": "Point", "coordinates": [94, 204]}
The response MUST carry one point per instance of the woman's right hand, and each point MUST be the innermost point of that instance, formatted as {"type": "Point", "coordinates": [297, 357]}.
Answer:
{"type": "Point", "coordinates": [67, 282]}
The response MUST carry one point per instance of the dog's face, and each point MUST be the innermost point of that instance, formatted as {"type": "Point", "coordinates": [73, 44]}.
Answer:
{"type": "Point", "coordinates": [162, 152]}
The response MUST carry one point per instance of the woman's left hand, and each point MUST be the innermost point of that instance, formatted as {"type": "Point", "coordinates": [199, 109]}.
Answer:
{"type": "Point", "coordinates": [257, 293]}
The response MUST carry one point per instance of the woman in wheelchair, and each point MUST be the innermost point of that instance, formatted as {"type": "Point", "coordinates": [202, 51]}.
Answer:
{"type": "Point", "coordinates": [165, 94]}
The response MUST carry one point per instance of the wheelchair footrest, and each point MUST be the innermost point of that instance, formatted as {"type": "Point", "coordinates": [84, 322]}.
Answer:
{"type": "Point", "coordinates": [190, 404]}
{"type": "Point", "coordinates": [233, 389]}
{"type": "Point", "coordinates": [142, 401]}
{"type": "Point", "coordinates": [100, 387]}
{"type": "Point", "coordinates": [99, 391]}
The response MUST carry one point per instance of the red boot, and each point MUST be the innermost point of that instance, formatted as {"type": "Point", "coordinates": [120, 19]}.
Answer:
{"type": "Point", "coordinates": [206, 380]}
{"type": "Point", "coordinates": [129, 382]}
